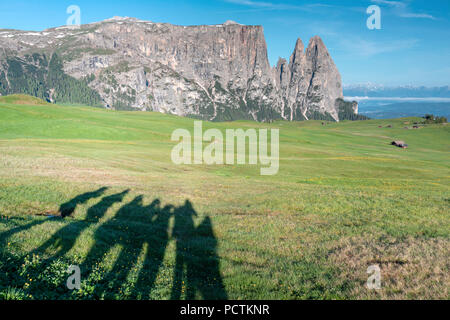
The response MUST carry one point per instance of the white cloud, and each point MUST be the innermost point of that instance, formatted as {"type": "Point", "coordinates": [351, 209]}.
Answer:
{"type": "Point", "coordinates": [367, 48]}
{"type": "Point", "coordinates": [418, 15]}
{"type": "Point", "coordinates": [402, 9]}
{"type": "Point", "coordinates": [399, 8]}
{"type": "Point", "coordinates": [390, 3]}
{"type": "Point", "coordinates": [252, 3]}
{"type": "Point", "coordinates": [264, 5]}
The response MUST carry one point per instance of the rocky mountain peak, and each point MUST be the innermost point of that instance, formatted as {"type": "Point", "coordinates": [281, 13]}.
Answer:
{"type": "Point", "coordinates": [298, 50]}
{"type": "Point", "coordinates": [297, 55]}
{"type": "Point", "coordinates": [317, 44]}
{"type": "Point", "coordinates": [317, 50]}
{"type": "Point", "coordinates": [231, 23]}
{"type": "Point", "coordinates": [311, 83]}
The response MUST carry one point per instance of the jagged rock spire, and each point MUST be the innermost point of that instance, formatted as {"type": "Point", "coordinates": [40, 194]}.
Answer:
{"type": "Point", "coordinates": [311, 82]}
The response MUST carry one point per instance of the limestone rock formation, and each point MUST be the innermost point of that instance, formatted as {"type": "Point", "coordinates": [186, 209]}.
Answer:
{"type": "Point", "coordinates": [216, 72]}
{"type": "Point", "coordinates": [310, 83]}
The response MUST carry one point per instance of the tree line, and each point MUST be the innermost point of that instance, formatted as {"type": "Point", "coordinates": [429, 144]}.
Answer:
{"type": "Point", "coordinates": [37, 76]}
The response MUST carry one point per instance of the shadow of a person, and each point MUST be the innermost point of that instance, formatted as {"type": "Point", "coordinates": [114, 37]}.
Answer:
{"type": "Point", "coordinates": [116, 232]}
{"type": "Point", "coordinates": [9, 233]}
{"type": "Point", "coordinates": [203, 269]}
{"type": "Point", "coordinates": [196, 252]}
{"type": "Point", "coordinates": [66, 209]}
{"type": "Point", "coordinates": [131, 228]}
{"type": "Point", "coordinates": [157, 238]}
{"type": "Point", "coordinates": [182, 231]}
{"type": "Point", "coordinates": [66, 237]}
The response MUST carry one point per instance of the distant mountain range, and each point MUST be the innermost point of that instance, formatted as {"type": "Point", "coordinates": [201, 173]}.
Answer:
{"type": "Point", "coordinates": [378, 91]}
{"type": "Point", "coordinates": [381, 102]}
{"type": "Point", "coordinates": [404, 109]}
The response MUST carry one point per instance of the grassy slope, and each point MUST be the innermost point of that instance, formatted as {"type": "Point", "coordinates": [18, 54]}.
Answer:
{"type": "Point", "coordinates": [344, 199]}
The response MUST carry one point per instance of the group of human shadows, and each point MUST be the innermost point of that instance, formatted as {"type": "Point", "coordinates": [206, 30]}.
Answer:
{"type": "Point", "coordinates": [196, 270]}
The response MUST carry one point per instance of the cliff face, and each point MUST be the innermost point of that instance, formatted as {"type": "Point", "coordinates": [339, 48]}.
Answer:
{"type": "Point", "coordinates": [218, 72]}
{"type": "Point", "coordinates": [310, 83]}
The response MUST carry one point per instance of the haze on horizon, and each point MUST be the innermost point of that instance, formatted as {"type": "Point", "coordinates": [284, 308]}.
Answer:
{"type": "Point", "coordinates": [410, 48]}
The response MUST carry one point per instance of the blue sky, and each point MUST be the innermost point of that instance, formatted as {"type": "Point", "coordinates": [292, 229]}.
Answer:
{"type": "Point", "coordinates": [412, 47]}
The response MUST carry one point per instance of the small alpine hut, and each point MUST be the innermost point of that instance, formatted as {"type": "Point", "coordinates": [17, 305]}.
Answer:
{"type": "Point", "coordinates": [400, 144]}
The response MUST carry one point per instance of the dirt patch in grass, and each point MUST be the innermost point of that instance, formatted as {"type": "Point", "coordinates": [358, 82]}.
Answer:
{"type": "Point", "coordinates": [410, 268]}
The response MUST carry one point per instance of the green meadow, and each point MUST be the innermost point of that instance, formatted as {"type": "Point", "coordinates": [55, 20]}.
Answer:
{"type": "Point", "coordinates": [141, 227]}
